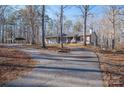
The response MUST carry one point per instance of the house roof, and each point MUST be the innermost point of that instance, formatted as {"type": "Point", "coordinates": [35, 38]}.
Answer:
{"type": "Point", "coordinates": [69, 34]}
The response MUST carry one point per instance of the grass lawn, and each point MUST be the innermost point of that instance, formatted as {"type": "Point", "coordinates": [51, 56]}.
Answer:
{"type": "Point", "coordinates": [13, 64]}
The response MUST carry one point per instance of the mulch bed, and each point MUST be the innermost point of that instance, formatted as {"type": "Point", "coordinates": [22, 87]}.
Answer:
{"type": "Point", "coordinates": [13, 64]}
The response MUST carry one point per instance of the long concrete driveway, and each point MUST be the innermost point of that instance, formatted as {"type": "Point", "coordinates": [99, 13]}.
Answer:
{"type": "Point", "coordinates": [79, 68]}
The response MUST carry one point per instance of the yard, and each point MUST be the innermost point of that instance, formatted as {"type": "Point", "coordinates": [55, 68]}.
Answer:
{"type": "Point", "coordinates": [13, 64]}
{"type": "Point", "coordinates": [112, 66]}
{"type": "Point", "coordinates": [113, 69]}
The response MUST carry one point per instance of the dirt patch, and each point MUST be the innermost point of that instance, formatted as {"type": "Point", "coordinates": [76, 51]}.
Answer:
{"type": "Point", "coordinates": [13, 64]}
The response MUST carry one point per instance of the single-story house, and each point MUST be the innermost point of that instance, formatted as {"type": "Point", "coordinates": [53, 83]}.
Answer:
{"type": "Point", "coordinates": [91, 38]}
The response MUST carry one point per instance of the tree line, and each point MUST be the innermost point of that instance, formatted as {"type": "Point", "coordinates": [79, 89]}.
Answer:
{"type": "Point", "coordinates": [33, 23]}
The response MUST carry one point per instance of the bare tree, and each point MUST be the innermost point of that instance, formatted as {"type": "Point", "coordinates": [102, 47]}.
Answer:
{"type": "Point", "coordinates": [77, 26]}
{"type": "Point", "coordinates": [61, 23]}
{"type": "Point", "coordinates": [2, 19]}
{"type": "Point", "coordinates": [68, 25]}
{"type": "Point", "coordinates": [85, 9]}
{"type": "Point", "coordinates": [57, 26]}
{"type": "Point", "coordinates": [113, 12]}
{"type": "Point", "coordinates": [31, 13]}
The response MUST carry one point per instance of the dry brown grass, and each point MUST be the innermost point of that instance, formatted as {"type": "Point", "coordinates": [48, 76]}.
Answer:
{"type": "Point", "coordinates": [112, 66]}
{"type": "Point", "coordinates": [13, 63]}
{"type": "Point", "coordinates": [113, 69]}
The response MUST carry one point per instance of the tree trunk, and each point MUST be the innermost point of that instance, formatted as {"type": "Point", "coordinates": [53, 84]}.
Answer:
{"type": "Point", "coordinates": [85, 25]}
{"type": "Point", "coordinates": [33, 35]}
{"type": "Point", "coordinates": [2, 33]}
{"type": "Point", "coordinates": [61, 27]}
{"type": "Point", "coordinates": [114, 35]}
{"type": "Point", "coordinates": [43, 27]}
{"type": "Point", "coordinates": [113, 24]}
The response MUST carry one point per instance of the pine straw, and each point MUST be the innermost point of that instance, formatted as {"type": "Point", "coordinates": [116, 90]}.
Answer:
{"type": "Point", "coordinates": [13, 64]}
